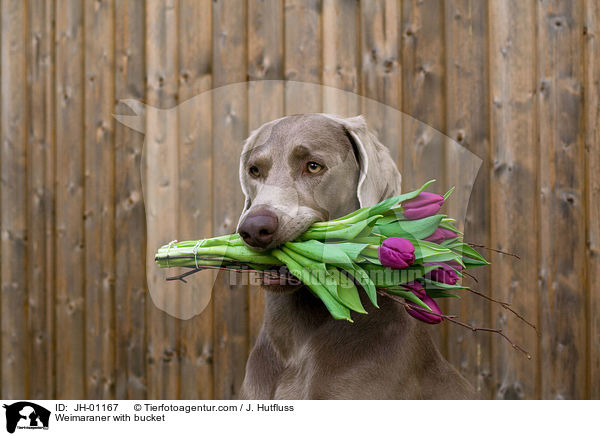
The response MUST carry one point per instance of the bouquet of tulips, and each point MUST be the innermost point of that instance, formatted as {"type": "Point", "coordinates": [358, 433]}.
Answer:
{"type": "Point", "coordinates": [401, 246]}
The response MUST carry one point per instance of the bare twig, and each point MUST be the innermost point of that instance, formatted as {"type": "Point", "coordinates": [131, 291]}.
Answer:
{"type": "Point", "coordinates": [506, 306]}
{"type": "Point", "coordinates": [493, 249]}
{"type": "Point", "coordinates": [471, 276]}
{"type": "Point", "coordinates": [268, 273]}
{"type": "Point", "coordinates": [455, 321]}
{"type": "Point", "coordinates": [195, 270]}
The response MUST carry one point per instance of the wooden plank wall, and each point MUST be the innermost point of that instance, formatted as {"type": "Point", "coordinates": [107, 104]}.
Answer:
{"type": "Point", "coordinates": [515, 82]}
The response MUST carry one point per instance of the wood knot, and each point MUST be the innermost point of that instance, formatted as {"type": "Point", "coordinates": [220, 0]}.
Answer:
{"type": "Point", "coordinates": [168, 354]}
{"type": "Point", "coordinates": [388, 64]}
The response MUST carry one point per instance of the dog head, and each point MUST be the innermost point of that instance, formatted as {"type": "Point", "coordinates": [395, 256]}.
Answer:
{"type": "Point", "coordinates": [300, 169]}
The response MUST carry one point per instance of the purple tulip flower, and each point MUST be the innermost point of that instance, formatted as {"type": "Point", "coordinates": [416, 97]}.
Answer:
{"type": "Point", "coordinates": [446, 273]}
{"type": "Point", "coordinates": [440, 235]}
{"type": "Point", "coordinates": [423, 205]}
{"type": "Point", "coordinates": [396, 253]}
{"type": "Point", "coordinates": [417, 289]}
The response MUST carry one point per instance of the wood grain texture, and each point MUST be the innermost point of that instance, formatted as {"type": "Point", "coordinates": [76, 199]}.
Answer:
{"type": "Point", "coordinates": [591, 86]}
{"type": "Point", "coordinates": [130, 219]}
{"type": "Point", "coordinates": [99, 213]}
{"type": "Point", "coordinates": [381, 69]}
{"type": "Point", "coordinates": [561, 184]}
{"type": "Point", "coordinates": [40, 211]}
{"type": "Point", "coordinates": [69, 179]}
{"type": "Point", "coordinates": [514, 192]}
{"type": "Point", "coordinates": [467, 115]}
{"type": "Point", "coordinates": [161, 194]}
{"type": "Point", "coordinates": [195, 196]}
{"type": "Point", "coordinates": [14, 340]}
{"type": "Point", "coordinates": [265, 102]}
{"type": "Point", "coordinates": [303, 53]}
{"type": "Point", "coordinates": [230, 126]}
{"type": "Point", "coordinates": [341, 48]}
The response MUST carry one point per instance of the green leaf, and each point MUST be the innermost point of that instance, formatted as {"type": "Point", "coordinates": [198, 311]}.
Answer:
{"type": "Point", "coordinates": [337, 310]}
{"type": "Point", "coordinates": [448, 242]}
{"type": "Point", "coordinates": [346, 291]}
{"type": "Point", "coordinates": [430, 252]}
{"type": "Point", "coordinates": [416, 229]}
{"type": "Point", "coordinates": [465, 250]}
{"type": "Point", "coordinates": [470, 263]}
{"type": "Point", "coordinates": [352, 249]}
{"type": "Point", "coordinates": [321, 273]}
{"type": "Point", "coordinates": [369, 259]}
{"type": "Point", "coordinates": [409, 296]}
{"type": "Point", "coordinates": [346, 233]}
{"type": "Point", "coordinates": [365, 281]}
{"type": "Point", "coordinates": [388, 219]}
{"type": "Point", "coordinates": [447, 224]}
{"type": "Point", "coordinates": [437, 293]}
{"type": "Point", "coordinates": [328, 253]}
{"type": "Point", "coordinates": [432, 285]}
{"type": "Point", "coordinates": [450, 191]}
{"type": "Point", "coordinates": [384, 206]}
{"type": "Point", "coordinates": [369, 240]}
{"type": "Point", "coordinates": [371, 251]}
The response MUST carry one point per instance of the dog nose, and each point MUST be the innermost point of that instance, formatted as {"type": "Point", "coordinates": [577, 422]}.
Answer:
{"type": "Point", "coordinates": [258, 228]}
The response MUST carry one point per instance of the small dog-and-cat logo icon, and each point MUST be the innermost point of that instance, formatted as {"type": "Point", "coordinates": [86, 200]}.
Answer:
{"type": "Point", "coordinates": [26, 415]}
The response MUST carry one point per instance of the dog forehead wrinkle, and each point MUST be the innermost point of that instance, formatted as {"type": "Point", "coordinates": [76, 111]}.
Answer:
{"type": "Point", "coordinates": [263, 160]}
{"type": "Point", "coordinates": [310, 129]}
{"type": "Point", "coordinates": [300, 151]}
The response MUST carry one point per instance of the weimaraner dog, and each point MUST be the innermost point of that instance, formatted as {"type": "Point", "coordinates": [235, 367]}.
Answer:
{"type": "Point", "coordinates": [295, 171]}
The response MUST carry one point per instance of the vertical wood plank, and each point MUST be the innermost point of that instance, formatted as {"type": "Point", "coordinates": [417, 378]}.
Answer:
{"type": "Point", "coordinates": [70, 282]}
{"type": "Point", "coordinates": [303, 54]}
{"type": "Point", "coordinates": [424, 98]}
{"type": "Point", "coordinates": [592, 182]}
{"type": "Point", "coordinates": [195, 194]}
{"type": "Point", "coordinates": [162, 191]}
{"type": "Point", "coordinates": [513, 190]}
{"type": "Point", "coordinates": [340, 57]}
{"type": "Point", "coordinates": [130, 220]}
{"type": "Point", "coordinates": [13, 194]}
{"type": "Point", "coordinates": [99, 214]}
{"type": "Point", "coordinates": [381, 71]}
{"type": "Point", "coordinates": [561, 158]}
{"type": "Point", "coordinates": [230, 126]}
{"type": "Point", "coordinates": [423, 75]}
{"type": "Point", "coordinates": [467, 113]}
{"type": "Point", "coordinates": [40, 212]}
{"type": "Point", "coordinates": [265, 99]}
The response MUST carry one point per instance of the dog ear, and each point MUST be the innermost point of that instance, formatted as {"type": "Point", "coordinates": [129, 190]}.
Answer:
{"type": "Point", "coordinates": [379, 177]}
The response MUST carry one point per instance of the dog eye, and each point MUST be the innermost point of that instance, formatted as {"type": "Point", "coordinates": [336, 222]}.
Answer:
{"type": "Point", "coordinates": [313, 167]}
{"type": "Point", "coordinates": [254, 172]}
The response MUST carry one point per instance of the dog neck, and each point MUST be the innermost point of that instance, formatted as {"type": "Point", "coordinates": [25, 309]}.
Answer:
{"type": "Point", "coordinates": [291, 319]}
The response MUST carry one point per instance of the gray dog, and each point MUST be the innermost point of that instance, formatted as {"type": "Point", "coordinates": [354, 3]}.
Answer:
{"type": "Point", "coordinates": [306, 168]}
